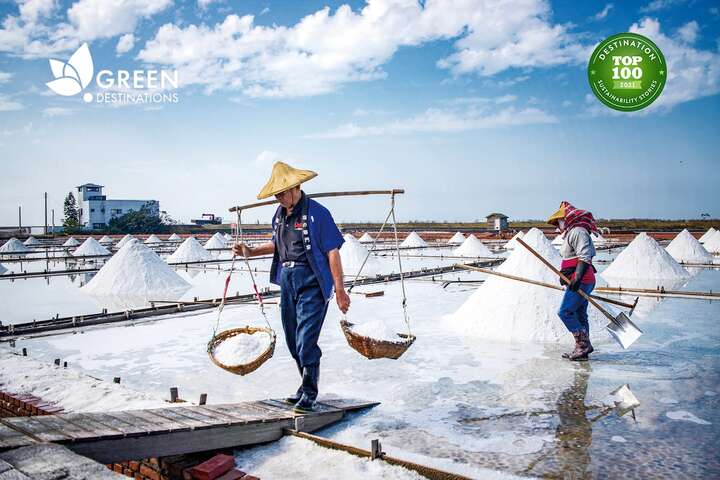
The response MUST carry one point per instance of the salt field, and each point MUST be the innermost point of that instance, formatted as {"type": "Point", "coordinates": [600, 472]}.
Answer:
{"type": "Point", "coordinates": [483, 391]}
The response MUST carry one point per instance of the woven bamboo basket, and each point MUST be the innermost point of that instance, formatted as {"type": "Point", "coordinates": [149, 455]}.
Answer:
{"type": "Point", "coordinates": [373, 348]}
{"type": "Point", "coordinates": [246, 368]}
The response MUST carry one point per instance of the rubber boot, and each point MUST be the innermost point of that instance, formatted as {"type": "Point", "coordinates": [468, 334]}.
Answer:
{"type": "Point", "coordinates": [576, 336]}
{"type": "Point", "coordinates": [583, 347]}
{"type": "Point", "coordinates": [297, 395]}
{"type": "Point", "coordinates": [311, 376]}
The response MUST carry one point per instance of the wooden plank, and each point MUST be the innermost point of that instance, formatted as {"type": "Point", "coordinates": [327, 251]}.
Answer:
{"type": "Point", "coordinates": [225, 417]}
{"type": "Point", "coordinates": [8, 472]}
{"type": "Point", "coordinates": [348, 404]}
{"type": "Point", "coordinates": [180, 442]}
{"type": "Point", "coordinates": [90, 422]}
{"type": "Point", "coordinates": [57, 424]}
{"type": "Point", "coordinates": [179, 418]}
{"type": "Point", "coordinates": [139, 419]}
{"type": "Point", "coordinates": [254, 413]}
{"type": "Point", "coordinates": [162, 423]}
{"type": "Point", "coordinates": [119, 423]}
{"type": "Point", "coordinates": [38, 430]}
{"type": "Point", "coordinates": [10, 438]}
{"type": "Point", "coordinates": [197, 414]}
{"type": "Point", "coordinates": [279, 403]}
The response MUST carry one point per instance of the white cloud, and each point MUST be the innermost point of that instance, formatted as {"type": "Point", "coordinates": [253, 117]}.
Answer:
{"type": "Point", "coordinates": [125, 43]}
{"type": "Point", "coordinates": [362, 112]}
{"type": "Point", "coordinates": [9, 105]}
{"type": "Point", "coordinates": [476, 116]}
{"type": "Point", "coordinates": [5, 76]}
{"type": "Point", "coordinates": [688, 33]}
{"type": "Point", "coordinates": [602, 14]}
{"type": "Point", "coordinates": [108, 18]}
{"type": "Point", "coordinates": [17, 131]}
{"type": "Point", "coordinates": [326, 49]}
{"type": "Point", "coordinates": [203, 4]}
{"type": "Point", "coordinates": [33, 10]}
{"type": "Point", "coordinates": [57, 112]}
{"type": "Point", "coordinates": [657, 5]}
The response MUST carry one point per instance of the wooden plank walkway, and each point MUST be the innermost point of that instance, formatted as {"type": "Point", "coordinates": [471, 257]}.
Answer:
{"type": "Point", "coordinates": [132, 434]}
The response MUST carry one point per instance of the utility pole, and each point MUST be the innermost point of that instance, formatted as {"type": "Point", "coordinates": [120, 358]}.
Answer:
{"type": "Point", "coordinates": [19, 217]}
{"type": "Point", "coordinates": [53, 221]}
{"type": "Point", "coordinates": [46, 224]}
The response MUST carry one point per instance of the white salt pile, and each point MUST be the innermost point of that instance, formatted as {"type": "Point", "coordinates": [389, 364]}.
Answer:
{"type": "Point", "coordinates": [513, 242]}
{"type": "Point", "coordinates": [216, 241]}
{"type": "Point", "coordinates": [511, 311]}
{"type": "Point", "coordinates": [189, 251]}
{"type": "Point", "coordinates": [353, 254]}
{"type": "Point", "coordinates": [2, 269]}
{"type": "Point", "coordinates": [472, 247]}
{"type": "Point", "coordinates": [706, 236]}
{"type": "Point", "coordinates": [32, 242]}
{"type": "Point", "coordinates": [686, 249]}
{"type": "Point", "coordinates": [174, 238]}
{"type": "Point", "coordinates": [712, 243]}
{"type": "Point", "coordinates": [643, 259]}
{"type": "Point", "coordinates": [242, 349]}
{"type": "Point", "coordinates": [456, 239]}
{"type": "Point", "coordinates": [124, 240]}
{"type": "Point", "coordinates": [137, 271]}
{"type": "Point", "coordinates": [71, 242]}
{"type": "Point", "coordinates": [228, 238]}
{"type": "Point", "coordinates": [366, 238]}
{"type": "Point", "coordinates": [378, 330]}
{"type": "Point", "coordinates": [90, 247]}
{"type": "Point", "coordinates": [106, 240]}
{"type": "Point", "coordinates": [14, 246]}
{"type": "Point", "coordinates": [153, 239]}
{"type": "Point", "coordinates": [598, 240]}
{"type": "Point", "coordinates": [413, 240]}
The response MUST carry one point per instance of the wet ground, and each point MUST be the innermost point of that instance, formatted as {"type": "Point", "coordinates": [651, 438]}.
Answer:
{"type": "Point", "coordinates": [455, 402]}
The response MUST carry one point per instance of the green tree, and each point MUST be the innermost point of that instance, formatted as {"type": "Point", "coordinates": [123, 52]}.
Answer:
{"type": "Point", "coordinates": [141, 221]}
{"type": "Point", "coordinates": [72, 216]}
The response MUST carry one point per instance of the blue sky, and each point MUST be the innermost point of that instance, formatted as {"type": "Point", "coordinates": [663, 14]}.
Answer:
{"type": "Point", "coordinates": [471, 108]}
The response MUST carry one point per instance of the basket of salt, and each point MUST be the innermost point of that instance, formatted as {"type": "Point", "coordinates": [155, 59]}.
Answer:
{"type": "Point", "coordinates": [386, 344]}
{"type": "Point", "coordinates": [242, 350]}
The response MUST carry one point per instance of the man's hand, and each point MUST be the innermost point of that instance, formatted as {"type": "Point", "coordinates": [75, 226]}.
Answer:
{"type": "Point", "coordinates": [242, 250]}
{"type": "Point", "coordinates": [342, 299]}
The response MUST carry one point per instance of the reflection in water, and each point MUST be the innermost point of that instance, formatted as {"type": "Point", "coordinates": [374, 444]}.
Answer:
{"type": "Point", "coordinates": [574, 432]}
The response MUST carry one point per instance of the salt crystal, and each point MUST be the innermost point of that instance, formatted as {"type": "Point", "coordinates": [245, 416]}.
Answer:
{"type": "Point", "coordinates": [217, 241]}
{"type": "Point", "coordinates": [472, 247]}
{"type": "Point", "coordinates": [711, 231]}
{"type": "Point", "coordinates": [353, 254]}
{"type": "Point", "coordinates": [685, 248]}
{"type": "Point", "coordinates": [123, 241]}
{"type": "Point", "coordinates": [32, 242]}
{"type": "Point", "coordinates": [90, 247]}
{"type": "Point", "coordinates": [513, 241]}
{"type": "Point", "coordinates": [242, 348]}
{"type": "Point", "coordinates": [644, 259]}
{"type": "Point", "coordinates": [687, 417]}
{"type": "Point", "coordinates": [174, 238]}
{"type": "Point", "coordinates": [366, 238]}
{"type": "Point", "coordinates": [378, 330]}
{"type": "Point", "coordinates": [14, 246]}
{"type": "Point", "coordinates": [190, 251]}
{"type": "Point", "coordinates": [71, 242]}
{"type": "Point", "coordinates": [413, 240]}
{"type": "Point", "coordinates": [456, 239]}
{"type": "Point", "coordinates": [153, 239]}
{"type": "Point", "coordinates": [712, 243]}
{"type": "Point", "coordinates": [106, 240]}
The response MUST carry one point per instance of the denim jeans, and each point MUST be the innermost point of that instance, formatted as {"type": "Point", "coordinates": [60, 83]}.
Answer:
{"type": "Point", "coordinates": [573, 309]}
{"type": "Point", "coordinates": [303, 309]}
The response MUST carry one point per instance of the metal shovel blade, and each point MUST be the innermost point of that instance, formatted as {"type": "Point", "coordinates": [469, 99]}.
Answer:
{"type": "Point", "coordinates": [624, 400]}
{"type": "Point", "coordinates": [623, 330]}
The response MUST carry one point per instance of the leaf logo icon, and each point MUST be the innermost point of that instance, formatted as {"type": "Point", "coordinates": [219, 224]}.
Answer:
{"type": "Point", "coordinates": [72, 77]}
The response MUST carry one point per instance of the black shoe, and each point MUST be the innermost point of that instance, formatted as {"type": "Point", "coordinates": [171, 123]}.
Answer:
{"type": "Point", "coordinates": [305, 405]}
{"type": "Point", "coordinates": [311, 376]}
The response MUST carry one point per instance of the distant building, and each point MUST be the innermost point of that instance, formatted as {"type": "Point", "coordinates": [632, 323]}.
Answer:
{"type": "Point", "coordinates": [95, 210]}
{"type": "Point", "coordinates": [497, 221]}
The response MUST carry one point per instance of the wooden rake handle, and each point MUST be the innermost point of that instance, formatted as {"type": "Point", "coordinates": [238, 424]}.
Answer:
{"type": "Point", "coordinates": [566, 280]}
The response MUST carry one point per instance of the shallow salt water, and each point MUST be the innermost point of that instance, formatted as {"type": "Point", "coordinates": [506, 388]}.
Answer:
{"type": "Point", "coordinates": [456, 403]}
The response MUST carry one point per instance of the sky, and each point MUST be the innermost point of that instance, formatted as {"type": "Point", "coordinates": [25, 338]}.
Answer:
{"type": "Point", "coordinates": [471, 106]}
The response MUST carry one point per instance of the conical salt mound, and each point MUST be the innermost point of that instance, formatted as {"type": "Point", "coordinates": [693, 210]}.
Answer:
{"type": "Point", "coordinates": [90, 247]}
{"type": "Point", "coordinates": [598, 240]}
{"type": "Point", "coordinates": [706, 236]}
{"type": "Point", "coordinates": [105, 240]}
{"type": "Point", "coordinates": [686, 249]}
{"type": "Point", "coordinates": [216, 241]}
{"type": "Point", "coordinates": [712, 244]}
{"type": "Point", "coordinates": [153, 239]}
{"type": "Point", "coordinates": [136, 271]}
{"type": "Point", "coordinates": [513, 243]}
{"type": "Point", "coordinates": [472, 247]}
{"type": "Point", "coordinates": [174, 238]}
{"type": "Point", "coordinates": [32, 242]}
{"type": "Point", "coordinates": [644, 259]}
{"type": "Point", "coordinates": [352, 254]}
{"type": "Point", "coordinates": [71, 242]}
{"type": "Point", "coordinates": [413, 240]}
{"type": "Point", "coordinates": [190, 251]}
{"type": "Point", "coordinates": [123, 241]}
{"type": "Point", "coordinates": [366, 238]}
{"type": "Point", "coordinates": [511, 311]}
{"type": "Point", "coordinates": [14, 246]}
{"type": "Point", "coordinates": [558, 240]}
{"type": "Point", "coordinates": [456, 239]}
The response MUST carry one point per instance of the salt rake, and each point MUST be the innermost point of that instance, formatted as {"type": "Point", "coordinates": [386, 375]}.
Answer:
{"type": "Point", "coordinates": [621, 328]}
{"type": "Point", "coordinates": [218, 338]}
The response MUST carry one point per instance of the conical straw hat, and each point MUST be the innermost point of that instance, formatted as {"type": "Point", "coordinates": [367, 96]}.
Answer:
{"type": "Point", "coordinates": [284, 177]}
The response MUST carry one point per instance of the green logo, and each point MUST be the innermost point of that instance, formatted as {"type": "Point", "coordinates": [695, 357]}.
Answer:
{"type": "Point", "coordinates": [627, 72]}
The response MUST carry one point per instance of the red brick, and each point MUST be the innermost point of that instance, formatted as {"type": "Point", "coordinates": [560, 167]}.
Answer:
{"type": "Point", "coordinates": [233, 474]}
{"type": "Point", "coordinates": [148, 472]}
{"type": "Point", "coordinates": [52, 410]}
{"type": "Point", "coordinates": [213, 468]}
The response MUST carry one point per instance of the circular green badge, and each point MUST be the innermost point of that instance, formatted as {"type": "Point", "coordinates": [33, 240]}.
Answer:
{"type": "Point", "coordinates": [627, 72]}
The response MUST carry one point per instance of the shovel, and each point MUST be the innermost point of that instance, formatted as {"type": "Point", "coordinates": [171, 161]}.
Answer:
{"type": "Point", "coordinates": [621, 328]}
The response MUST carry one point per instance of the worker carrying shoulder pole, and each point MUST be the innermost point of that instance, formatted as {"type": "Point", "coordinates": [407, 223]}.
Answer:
{"type": "Point", "coordinates": [306, 265]}
{"type": "Point", "coordinates": [577, 252]}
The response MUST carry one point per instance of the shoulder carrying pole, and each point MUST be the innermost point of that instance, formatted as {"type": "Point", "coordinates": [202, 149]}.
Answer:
{"type": "Point", "coordinates": [323, 195]}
